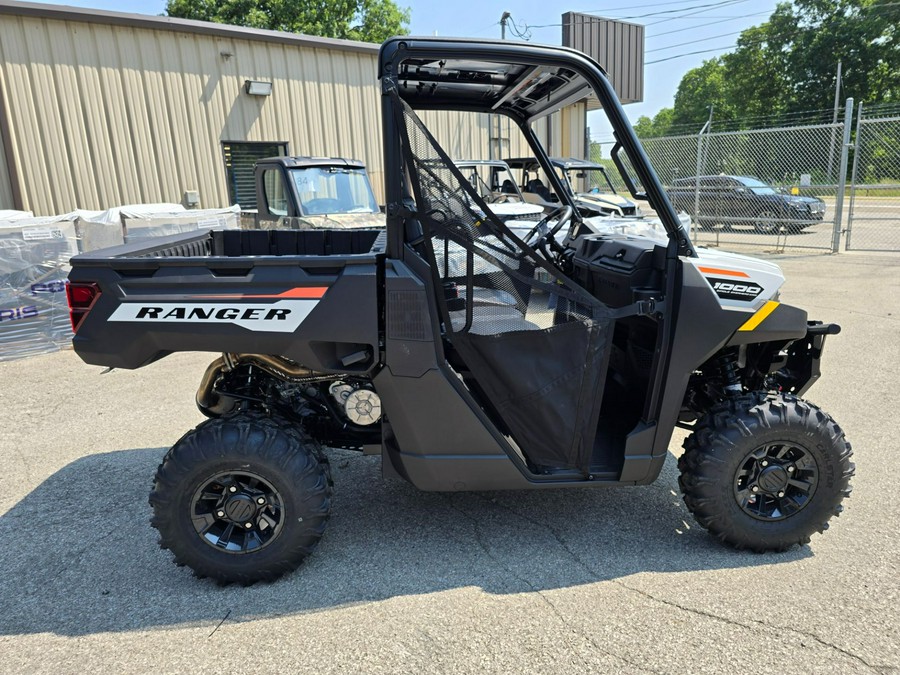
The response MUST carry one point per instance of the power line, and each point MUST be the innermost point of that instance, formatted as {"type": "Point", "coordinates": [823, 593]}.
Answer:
{"type": "Point", "coordinates": [719, 3]}
{"type": "Point", "coordinates": [523, 33]}
{"type": "Point", "coordinates": [488, 27]}
{"type": "Point", "coordinates": [711, 23]}
{"type": "Point", "coordinates": [692, 14]}
{"type": "Point", "coordinates": [680, 56]}
{"type": "Point", "coordinates": [746, 44]}
{"type": "Point", "coordinates": [631, 7]}
{"type": "Point", "coordinates": [682, 44]}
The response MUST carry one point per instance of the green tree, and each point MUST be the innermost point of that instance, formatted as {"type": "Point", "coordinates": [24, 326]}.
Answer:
{"type": "Point", "coordinates": [700, 88]}
{"type": "Point", "coordinates": [860, 33]}
{"type": "Point", "coordinates": [787, 65]}
{"type": "Point", "coordinates": [756, 73]}
{"type": "Point", "coordinates": [365, 20]}
{"type": "Point", "coordinates": [660, 125]}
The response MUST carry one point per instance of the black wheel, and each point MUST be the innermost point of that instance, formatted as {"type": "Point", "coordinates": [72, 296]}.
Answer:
{"type": "Point", "coordinates": [242, 499]}
{"type": "Point", "coordinates": [767, 222]}
{"type": "Point", "coordinates": [764, 472]}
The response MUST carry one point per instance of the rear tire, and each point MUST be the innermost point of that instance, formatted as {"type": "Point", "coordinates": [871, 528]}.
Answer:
{"type": "Point", "coordinates": [764, 472]}
{"type": "Point", "coordinates": [242, 499]}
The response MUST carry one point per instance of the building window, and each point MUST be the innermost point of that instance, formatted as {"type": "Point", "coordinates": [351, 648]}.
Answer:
{"type": "Point", "coordinates": [240, 158]}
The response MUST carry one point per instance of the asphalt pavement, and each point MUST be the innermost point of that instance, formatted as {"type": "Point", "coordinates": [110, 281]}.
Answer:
{"type": "Point", "coordinates": [619, 580]}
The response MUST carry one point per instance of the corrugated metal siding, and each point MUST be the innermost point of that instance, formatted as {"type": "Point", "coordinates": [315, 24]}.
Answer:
{"type": "Point", "coordinates": [6, 194]}
{"type": "Point", "coordinates": [615, 45]}
{"type": "Point", "coordinates": [573, 127]}
{"type": "Point", "coordinates": [103, 115]}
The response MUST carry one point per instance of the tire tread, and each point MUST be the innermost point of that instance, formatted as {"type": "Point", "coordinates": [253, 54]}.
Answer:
{"type": "Point", "coordinates": [717, 435]}
{"type": "Point", "coordinates": [301, 461]}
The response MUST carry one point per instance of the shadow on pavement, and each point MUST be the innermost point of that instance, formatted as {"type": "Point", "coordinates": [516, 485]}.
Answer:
{"type": "Point", "coordinates": [79, 556]}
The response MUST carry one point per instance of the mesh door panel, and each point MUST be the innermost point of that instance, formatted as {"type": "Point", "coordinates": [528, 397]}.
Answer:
{"type": "Point", "coordinates": [535, 342]}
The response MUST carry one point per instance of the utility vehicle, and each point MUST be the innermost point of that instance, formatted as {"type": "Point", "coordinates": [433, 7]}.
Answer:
{"type": "Point", "coordinates": [467, 357]}
{"type": "Point", "coordinates": [314, 192]}
{"type": "Point", "coordinates": [492, 179]}
{"type": "Point", "coordinates": [594, 192]}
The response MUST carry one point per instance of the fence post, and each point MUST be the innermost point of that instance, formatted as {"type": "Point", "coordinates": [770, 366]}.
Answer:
{"type": "Point", "coordinates": [699, 169]}
{"type": "Point", "coordinates": [842, 180]}
{"type": "Point", "coordinates": [857, 144]}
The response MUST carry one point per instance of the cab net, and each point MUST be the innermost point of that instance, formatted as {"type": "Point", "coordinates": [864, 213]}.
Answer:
{"type": "Point", "coordinates": [536, 344]}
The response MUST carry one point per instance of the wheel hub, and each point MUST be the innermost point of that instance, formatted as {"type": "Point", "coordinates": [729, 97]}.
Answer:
{"type": "Point", "coordinates": [240, 508]}
{"type": "Point", "coordinates": [773, 479]}
{"type": "Point", "coordinates": [237, 512]}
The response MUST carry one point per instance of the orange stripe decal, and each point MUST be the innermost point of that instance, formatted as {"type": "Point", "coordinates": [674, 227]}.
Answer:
{"type": "Point", "coordinates": [305, 292]}
{"type": "Point", "coordinates": [299, 292]}
{"type": "Point", "coordinates": [727, 273]}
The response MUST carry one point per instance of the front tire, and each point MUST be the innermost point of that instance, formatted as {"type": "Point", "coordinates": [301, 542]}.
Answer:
{"type": "Point", "coordinates": [241, 499]}
{"type": "Point", "coordinates": [766, 223]}
{"type": "Point", "coordinates": [764, 472]}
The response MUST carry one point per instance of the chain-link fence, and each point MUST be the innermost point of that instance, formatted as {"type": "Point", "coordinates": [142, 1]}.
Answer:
{"type": "Point", "coordinates": [874, 221]}
{"type": "Point", "coordinates": [764, 189]}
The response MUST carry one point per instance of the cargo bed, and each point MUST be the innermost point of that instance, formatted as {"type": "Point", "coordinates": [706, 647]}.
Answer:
{"type": "Point", "coordinates": [233, 291]}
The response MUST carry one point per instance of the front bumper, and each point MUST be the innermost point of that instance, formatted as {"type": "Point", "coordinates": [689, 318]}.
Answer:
{"type": "Point", "coordinates": [801, 367]}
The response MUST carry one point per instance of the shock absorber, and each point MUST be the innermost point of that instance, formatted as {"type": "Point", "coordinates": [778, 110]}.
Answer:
{"type": "Point", "coordinates": [727, 363]}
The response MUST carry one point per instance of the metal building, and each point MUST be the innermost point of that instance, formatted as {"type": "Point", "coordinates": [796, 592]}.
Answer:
{"type": "Point", "coordinates": [99, 109]}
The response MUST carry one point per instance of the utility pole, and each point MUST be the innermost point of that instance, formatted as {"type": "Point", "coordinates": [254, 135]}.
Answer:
{"type": "Point", "coordinates": [503, 19]}
{"type": "Point", "coordinates": [837, 93]}
{"type": "Point", "coordinates": [834, 119]}
{"type": "Point", "coordinates": [707, 129]}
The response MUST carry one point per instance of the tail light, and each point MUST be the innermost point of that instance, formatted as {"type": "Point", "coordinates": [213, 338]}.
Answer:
{"type": "Point", "coordinates": [81, 298]}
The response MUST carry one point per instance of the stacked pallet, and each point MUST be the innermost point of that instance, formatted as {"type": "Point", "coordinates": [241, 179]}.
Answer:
{"type": "Point", "coordinates": [34, 263]}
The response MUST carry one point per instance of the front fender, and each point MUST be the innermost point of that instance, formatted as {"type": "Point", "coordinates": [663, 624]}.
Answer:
{"type": "Point", "coordinates": [773, 322]}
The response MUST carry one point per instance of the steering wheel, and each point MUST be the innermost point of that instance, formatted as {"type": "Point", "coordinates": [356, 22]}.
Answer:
{"type": "Point", "coordinates": [540, 234]}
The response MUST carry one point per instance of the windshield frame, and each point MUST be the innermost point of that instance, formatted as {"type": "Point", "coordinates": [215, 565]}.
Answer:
{"type": "Point", "coordinates": [354, 174]}
{"type": "Point", "coordinates": [467, 166]}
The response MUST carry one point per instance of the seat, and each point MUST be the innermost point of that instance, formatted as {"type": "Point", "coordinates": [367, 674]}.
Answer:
{"type": "Point", "coordinates": [537, 187]}
{"type": "Point", "coordinates": [493, 321]}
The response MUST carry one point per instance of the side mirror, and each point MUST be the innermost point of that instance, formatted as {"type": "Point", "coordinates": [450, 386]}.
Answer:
{"type": "Point", "coordinates": [740, 190]}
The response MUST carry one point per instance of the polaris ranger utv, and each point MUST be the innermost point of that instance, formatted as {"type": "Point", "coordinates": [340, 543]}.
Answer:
{"type": "Point", "coordinates": [467, 357]}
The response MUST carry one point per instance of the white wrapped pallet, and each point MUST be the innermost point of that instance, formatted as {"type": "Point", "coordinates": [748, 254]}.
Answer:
{"type": "Point", "coordinates": [34, 263]}
{"type": "Point", "coordinates": [102, 229]}
{"type": "Point", "coordinates": [142, 225]}
{"type": "Point", "coordinates": [9, 215]}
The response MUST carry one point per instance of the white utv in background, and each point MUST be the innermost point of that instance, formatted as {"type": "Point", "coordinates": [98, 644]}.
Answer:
{"type": "Point", "coordinates": [467, 357]}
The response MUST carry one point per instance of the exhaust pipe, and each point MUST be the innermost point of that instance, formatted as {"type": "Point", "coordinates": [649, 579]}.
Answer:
{"type": "Point", "coordinates": [212, 404]}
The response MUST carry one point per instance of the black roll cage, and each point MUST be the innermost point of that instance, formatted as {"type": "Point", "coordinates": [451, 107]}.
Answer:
{"type": "Point", "coordinates": [481, 91]}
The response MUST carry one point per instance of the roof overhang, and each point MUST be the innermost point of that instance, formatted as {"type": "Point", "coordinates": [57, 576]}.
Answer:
{"type": "Point", "coordinates": [167, 23]}
{"type": "Point", "coordinates": [518, 79]}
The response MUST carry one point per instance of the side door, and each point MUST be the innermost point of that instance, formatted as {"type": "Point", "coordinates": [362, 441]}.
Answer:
{"type": "Point", "coordinates": [273, 201]}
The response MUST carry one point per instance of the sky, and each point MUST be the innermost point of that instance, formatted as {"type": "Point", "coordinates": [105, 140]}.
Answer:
{"type": "Point", "coordinates": [674, 28]}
